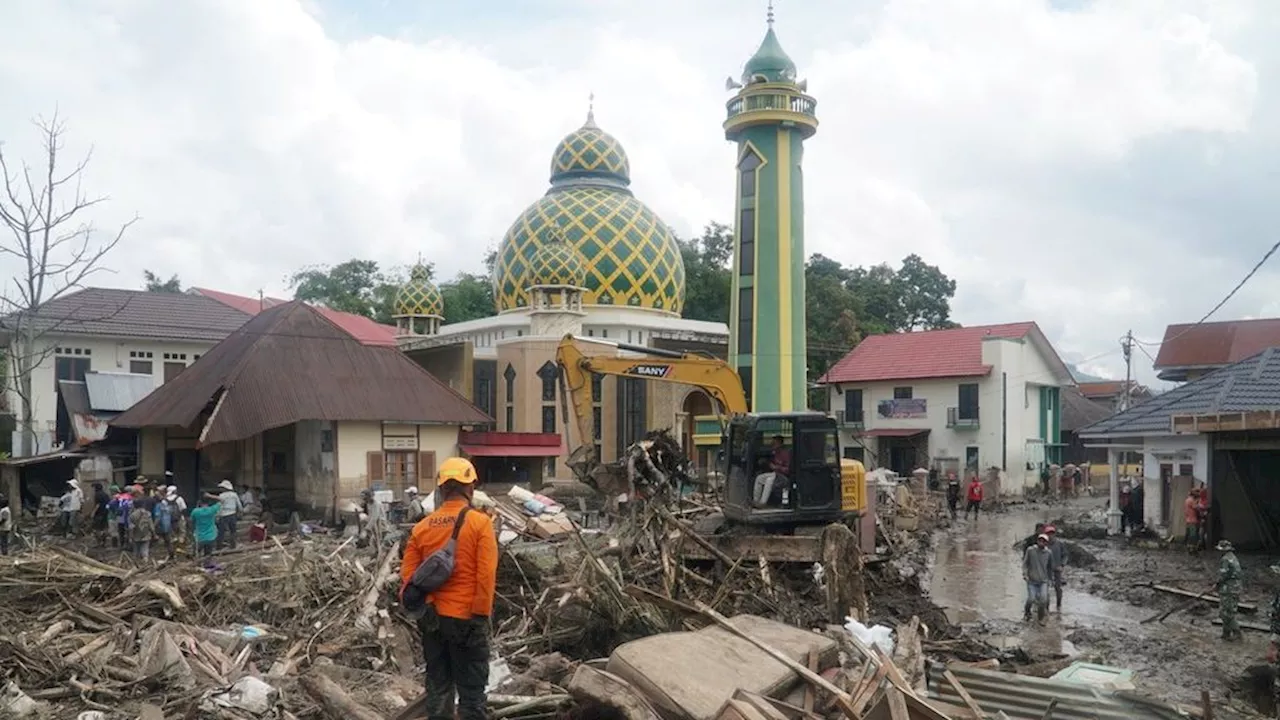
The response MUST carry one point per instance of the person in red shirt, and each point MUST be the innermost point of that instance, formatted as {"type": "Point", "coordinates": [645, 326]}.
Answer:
{"type": "Point", "coordinates": [1191, 515]}
{"type": "Point", "coordinates": [974, 495]}
{"type": "Point", "coordinates": [455, 625]}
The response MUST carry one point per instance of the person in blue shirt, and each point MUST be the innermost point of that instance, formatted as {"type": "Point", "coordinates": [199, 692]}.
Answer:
{"type": "Point", "coordinates": [204, 520]}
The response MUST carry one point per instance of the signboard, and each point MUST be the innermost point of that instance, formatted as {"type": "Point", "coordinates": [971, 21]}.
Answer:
{"type": "Point", "coordinates": [904, 409]}
{"type": "Point", "coordinates": [392, 442]}
{"type": "Point", "coordinates": [649, 370]}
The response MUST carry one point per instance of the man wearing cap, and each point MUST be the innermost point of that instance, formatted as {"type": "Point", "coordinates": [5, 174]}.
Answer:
{"type": "Point", "coordinates": [455, 618]}
{"type": "Point", "coordinates": [1037, 570]}
{"type": "Point", "coordinates": [413, 510]}
{"type": "Point", "coordinates": [1230, 582]}
{"type": "Point", "coordinates": [1058, 550]}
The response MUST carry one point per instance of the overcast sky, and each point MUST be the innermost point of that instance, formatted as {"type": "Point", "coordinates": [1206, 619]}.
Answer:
{"type": "Point", "coordinates": [1094, 166]}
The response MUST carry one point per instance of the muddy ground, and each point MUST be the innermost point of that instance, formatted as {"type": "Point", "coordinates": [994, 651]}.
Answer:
{"type": "Point", "coordinates": [976, 576]}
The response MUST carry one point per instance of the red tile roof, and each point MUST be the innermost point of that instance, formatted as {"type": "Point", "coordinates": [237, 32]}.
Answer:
{"type": "Point", "coordinates": [916, 355]}
{"type": "Point", "coordinates": [362, 328]}
{"type": "Point", "coordinates": [1216, 343]}
{"type": "Point", "coordinates": [1108, 389]}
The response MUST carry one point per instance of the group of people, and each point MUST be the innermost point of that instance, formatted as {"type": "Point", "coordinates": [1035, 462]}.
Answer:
{"type": "Point", "coordinates": [973, 496]}
{"type": "Point", "coordinates": [1195, 513]}
{"type": "Point", "coordinates": [1043, 565]}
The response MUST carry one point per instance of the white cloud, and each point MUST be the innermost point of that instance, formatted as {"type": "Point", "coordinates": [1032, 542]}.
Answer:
{"type": "Point", "coordinates": [1026, 150]}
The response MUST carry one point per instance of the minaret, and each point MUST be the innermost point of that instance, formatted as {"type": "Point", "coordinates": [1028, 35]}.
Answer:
{"type": "Point", "coordinates": [769, 118]}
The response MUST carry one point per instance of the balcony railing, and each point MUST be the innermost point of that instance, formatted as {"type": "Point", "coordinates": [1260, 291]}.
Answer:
{"type": "Point", "coordinates": [772, 99]}
{"type": "Point", "coordinates": [969, 419]}
{"type": "Point", "coordinates": [846, 422]}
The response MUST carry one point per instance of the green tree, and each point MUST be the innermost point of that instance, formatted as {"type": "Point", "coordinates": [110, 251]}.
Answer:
{"type": "Point", "coordinates": [155, 284]}
{"type": "Point", "coordinates": [832, 311]}
{"type": "Point", "coordinates": [707, 273]}
{"type": "Point", "coordinates": [924, 295]}
{"type": "Point", "coordinates": [467, 297]}
{"type": "Point", "coordinates": [352, 286]}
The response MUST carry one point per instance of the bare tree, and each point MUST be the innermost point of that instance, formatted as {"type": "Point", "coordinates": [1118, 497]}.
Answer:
{"type": "Point", "coordinates": [56, 248]}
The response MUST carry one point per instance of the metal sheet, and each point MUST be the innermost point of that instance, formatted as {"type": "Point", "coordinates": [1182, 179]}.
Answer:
{"type": "Point", "coordinates": [116, 392]}
{"type": "Point", "coordinates": [1022, 697]}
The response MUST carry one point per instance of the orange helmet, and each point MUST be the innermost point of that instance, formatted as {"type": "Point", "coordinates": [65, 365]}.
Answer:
{"type": "Point", "coordinates": [459, 470]}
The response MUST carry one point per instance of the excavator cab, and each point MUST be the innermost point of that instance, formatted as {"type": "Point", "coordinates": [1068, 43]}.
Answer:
{"type": "Point", "coordinates": [782, 469]}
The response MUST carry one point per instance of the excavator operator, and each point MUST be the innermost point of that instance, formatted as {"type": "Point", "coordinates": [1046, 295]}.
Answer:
{"type": "Point", "coordinates": [769, 485]}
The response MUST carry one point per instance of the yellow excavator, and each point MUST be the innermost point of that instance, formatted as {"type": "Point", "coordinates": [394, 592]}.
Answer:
{"type": "Point", "coordinates": [774, 515]}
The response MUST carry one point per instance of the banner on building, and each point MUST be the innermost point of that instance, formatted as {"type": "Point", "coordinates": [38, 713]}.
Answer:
{"type": "Point", "coordinates": [904, 409]}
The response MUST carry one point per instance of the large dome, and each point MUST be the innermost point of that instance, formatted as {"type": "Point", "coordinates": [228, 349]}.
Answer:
{"type": "Point", "coordinates": [557, 264]}
{"type": "Point", "coordinates": [631, 257]}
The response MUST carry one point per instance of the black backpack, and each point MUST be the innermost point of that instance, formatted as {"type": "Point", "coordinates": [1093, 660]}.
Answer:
{"type": "Point", "coordinates": [434, 571]}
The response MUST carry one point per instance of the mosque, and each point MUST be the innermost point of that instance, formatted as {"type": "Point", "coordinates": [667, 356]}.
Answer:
{"type": "Point", "coordinates": [590, 258]}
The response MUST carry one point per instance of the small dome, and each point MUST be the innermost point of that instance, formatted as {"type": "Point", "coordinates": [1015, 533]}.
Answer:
{"type": "Point", "coordinates": [590, 154]}
{"type": "Point", "coordinates": [557, 263]}
{"type": "Point", "coordinates": [419, 297]}
{"type": "Point", "coordinates": [770, 62]}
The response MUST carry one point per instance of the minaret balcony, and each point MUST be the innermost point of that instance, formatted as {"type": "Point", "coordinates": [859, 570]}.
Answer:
{"type": "Point", "coordinates": [771, 104]}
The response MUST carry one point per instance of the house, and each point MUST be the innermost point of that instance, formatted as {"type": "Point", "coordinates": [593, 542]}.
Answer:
{"type": "Point", "coordinates": [1189, 351]}
{"type": "Point", "coordinates": [1079, 411]}
{"type": "Point", "coordinates": [365, 330]}
{"type": "Point", "coordinates": [1222, 429]}
{"type": "Point", "coordinates": [297, 407]}
{"type": "Point", "coordinates": [1111, 393]}
{"type": "Point", "coordinates": [968, 398]}
{"type": "Point", "coordinates": [157, 335]}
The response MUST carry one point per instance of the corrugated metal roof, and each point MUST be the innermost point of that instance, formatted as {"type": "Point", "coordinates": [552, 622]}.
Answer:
{"type": "Point", "coordinates": [1216, 343]}
{"type": "Point", "coordinates": [1078, 410]}
{"type": "Point", "coordinates": [364, 329]}
{"type": "Point", "coordinates": [926, 354]}
{"type": "Point", "coordinates": [1023, 697]}
{"type": "Point", "coordinates": [290, 363]}
{"type": "Point", "coordinates": [134, 313]}
{"type": "Point", "coordinates": [116, 392]}
{"type": "Point", "coordinates": [1249, 385]}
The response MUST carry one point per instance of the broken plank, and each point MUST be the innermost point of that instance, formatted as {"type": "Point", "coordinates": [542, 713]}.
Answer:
{"type": "Point", "coordinates": [1244, 607]}
{"type": "Point", "coordinates": [965, 697]}
{"type": "Point", "coordinates": [809, 694]}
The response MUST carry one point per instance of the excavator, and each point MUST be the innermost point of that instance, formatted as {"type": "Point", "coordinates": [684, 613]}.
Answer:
{"type": "Point", "coordinates": [779, 523]}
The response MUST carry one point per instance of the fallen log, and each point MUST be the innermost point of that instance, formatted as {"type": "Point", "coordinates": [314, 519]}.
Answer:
{"type": "Point", "coordinates": [369, 605]}
{"type": "Point", "coordinates": [335, 701]}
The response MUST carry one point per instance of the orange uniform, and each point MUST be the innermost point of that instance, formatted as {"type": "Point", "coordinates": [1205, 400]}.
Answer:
{"type": "Point", "coordinates": [469, 591]}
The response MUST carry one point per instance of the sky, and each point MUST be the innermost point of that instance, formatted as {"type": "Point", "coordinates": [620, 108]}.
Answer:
{"type": "Point", "coordinates": [1096, 166]}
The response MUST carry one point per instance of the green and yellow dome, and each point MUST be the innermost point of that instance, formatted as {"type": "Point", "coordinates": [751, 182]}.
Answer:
{"type": "Point", "coordinates": [629, 256]}
{"type": "Point", "coordinates": [556, 263]}
{"type": "Point", "coordinates": [419, 297]}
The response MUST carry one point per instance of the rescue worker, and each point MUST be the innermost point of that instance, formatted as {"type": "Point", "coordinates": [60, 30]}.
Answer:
{"type": "Point", "coordinates": [455, 620]}
{"type": "Point", "coordinates": [1037, 568]}
{"type": "Point", "coordinates": [1058, 550]}
{"type": "Point", "coordinates": [1229, 585]}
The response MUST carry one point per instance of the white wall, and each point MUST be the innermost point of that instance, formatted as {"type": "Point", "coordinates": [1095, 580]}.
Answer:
{"type": "Point", "coordinates": [105, 355]}
{"type": "Point", "coordinates": [1175, 450]}
{"type": "Point", "coordinates": [357, 439]}
{"type": "Point", "coordinates": [1018, 362]}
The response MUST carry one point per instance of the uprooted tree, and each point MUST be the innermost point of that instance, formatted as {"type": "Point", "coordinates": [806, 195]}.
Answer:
{"type": "Point", "coordinates": [55, 248]}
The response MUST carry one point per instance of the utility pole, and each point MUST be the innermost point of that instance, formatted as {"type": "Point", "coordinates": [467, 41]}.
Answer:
{"type": "Point", "coordinates": [1127, 344]}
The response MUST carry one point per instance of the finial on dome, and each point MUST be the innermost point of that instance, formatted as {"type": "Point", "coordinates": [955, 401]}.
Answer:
{"type": "Point", "coordinates": [591, 109]}
{"type": "Point", "coordinates": [769, 15]}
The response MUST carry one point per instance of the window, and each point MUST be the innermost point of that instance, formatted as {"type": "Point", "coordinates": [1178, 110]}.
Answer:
{"type": "Point", "coordinates": [484, 395]}
{"type": "Point", "coordinates": [70, 368]}
{"type": "Point", "coordinates": [853, 406]}
{"type": "Point", "coordinates": [140, 367]}
{"type": "Point", "coordinates": [971, 459]}
{"type": "Point", "coordinates": [400, 470]}
{"type": "Point", "coordinates": [902, 393]}
{"type": "Point", "coordinates": [597, 387]}
{"type": "Point", "coordinates": [549, 469]}
{"type": "Point", "coordinates": [745, 374]}
{"type": "Point", "coordinates": [747, 242]}
{"type": "Point", "coordinates": [511, 419]}
{"type": "Point", "coordinates": [548, 418]}
{"type": "Point", "coordinates": [175, 356]}
{"type": "Point", "coordinates": [597, 423]}
{"type": "Point", "coordinates": [745, 326]}
{"type": "Point", "coordinates": [548, 373]}
{"type": "Point", "coordinates": [510, 376]}
{"type": "Point", "coordinates": [747, 174]}
{"type": "Point", "coordinates": [968, 402]}
{"type": "Point", "coordinates": [142, 355]}
{"type": "Point", "coordinates": [173, 370]}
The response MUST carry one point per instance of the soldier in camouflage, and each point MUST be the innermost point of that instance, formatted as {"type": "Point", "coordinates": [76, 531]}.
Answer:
{"type": "Point", "coordinates": [1230, 583]}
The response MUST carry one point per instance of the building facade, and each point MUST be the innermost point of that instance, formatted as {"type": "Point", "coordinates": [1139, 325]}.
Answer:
{"type": "Point", "coordinates": [963, 400]}
{"type": "Point", "coordinates": [769, 118]}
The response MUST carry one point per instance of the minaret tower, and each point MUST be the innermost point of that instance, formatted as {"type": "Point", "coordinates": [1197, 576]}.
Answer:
{"type": "Point", "coordinates": [769, 118]}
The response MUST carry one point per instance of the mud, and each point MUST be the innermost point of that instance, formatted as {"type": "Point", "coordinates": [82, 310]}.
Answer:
{"type": "Point", "coordinates": [976, 576]}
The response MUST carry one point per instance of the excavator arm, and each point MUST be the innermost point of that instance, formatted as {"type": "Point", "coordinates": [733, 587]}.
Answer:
{"type": "Point", "coordinates": [713, 376]}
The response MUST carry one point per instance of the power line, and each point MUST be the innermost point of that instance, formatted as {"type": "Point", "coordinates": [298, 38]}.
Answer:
{"type": "Point", "coordinates": [1258, 266]}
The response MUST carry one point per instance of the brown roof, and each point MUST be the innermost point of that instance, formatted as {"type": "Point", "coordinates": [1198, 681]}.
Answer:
{"type": "Point", "coordinates": [290, 363]}
{"type": "Point", "coordinates": [1078, 410]}
{"type": "Point", "coordinates": [135, 314]}
{"type": "Point", "coordinates": [1216, 344]}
